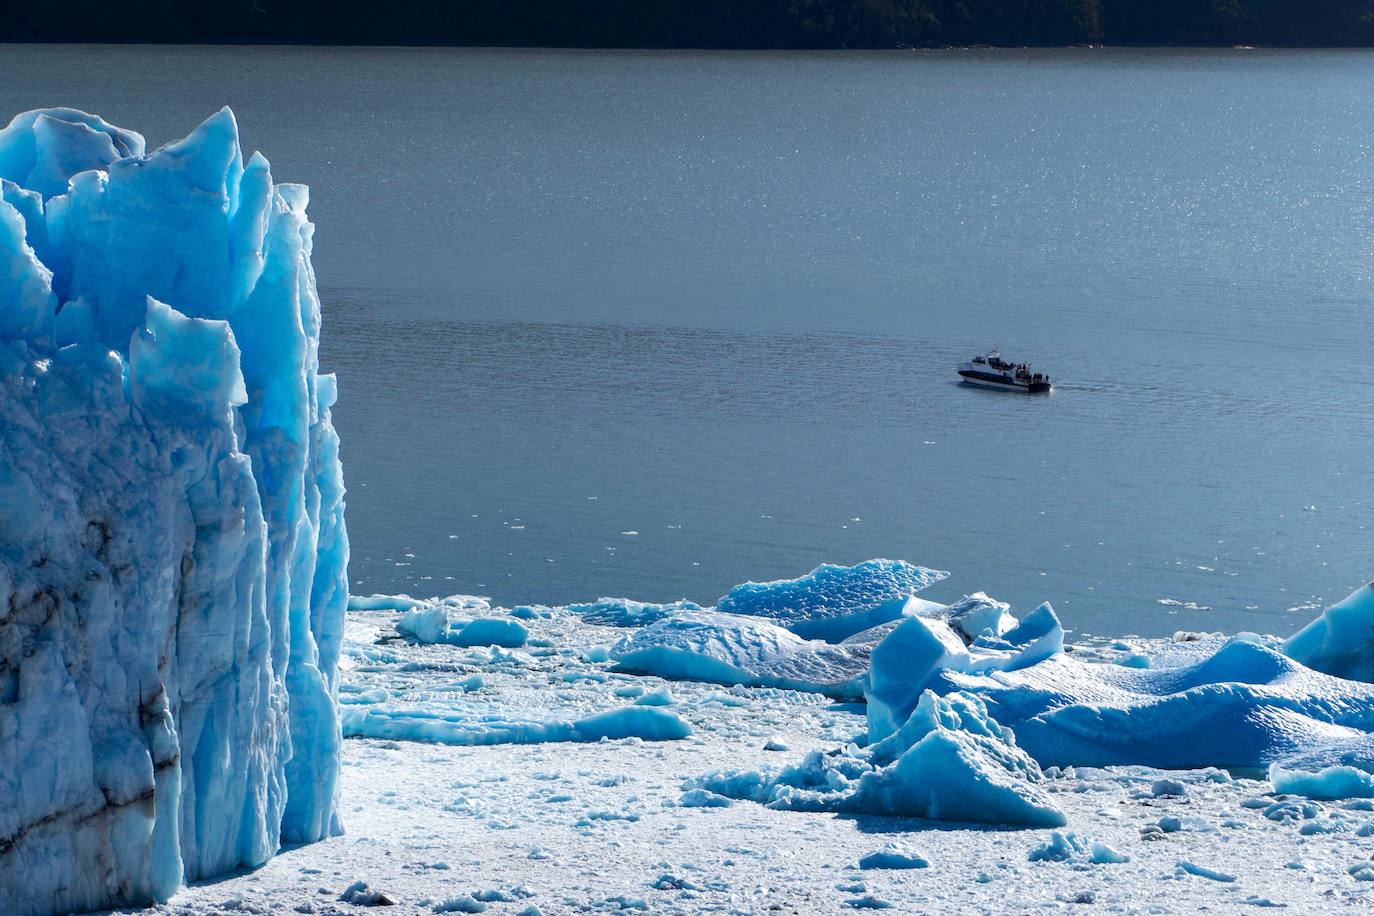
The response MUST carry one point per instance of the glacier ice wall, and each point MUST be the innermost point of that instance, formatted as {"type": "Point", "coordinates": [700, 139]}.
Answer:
{"type": "Point", "coordinates": [173, 550]}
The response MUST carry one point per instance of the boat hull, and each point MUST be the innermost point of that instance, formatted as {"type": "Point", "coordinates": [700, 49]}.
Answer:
{"type": "Point", "coordinates": [1002, 383]}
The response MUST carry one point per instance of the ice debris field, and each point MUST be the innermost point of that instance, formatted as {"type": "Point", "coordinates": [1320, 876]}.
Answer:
{"type": "Point", "coordinates": [195, 716]}
{"type": "Point", "coordinates": [619, 755]}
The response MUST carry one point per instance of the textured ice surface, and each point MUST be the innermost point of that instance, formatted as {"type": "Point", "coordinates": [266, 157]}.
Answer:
{"type": "Point", "coordinates": [913, 654]}
{"type": "Point", "coordinates": [1341, 640]}
{"type": "Point", "coordinates": [833, 602]}
{"type": "Point", "coordinates": [466, 728]}
{"type": "Point", "coordinates": [172, 544]}
{"type": "Point", "coordinates": [591, 826]}
{"type": "Point", "coordinates": [949, 761]}
{"type": "Point", "coordinates": [433, 623]}
{"type": "Point", "coordinates": [622, 612]}
{"type": "Point", "coordinates": [1232, 703]}
{"type": "Point", "coordinates": [1339, 781]}
{"type": "Point", "coordinates": [730, 649]}
{"type": "Point", "coordinates": [385, 602]}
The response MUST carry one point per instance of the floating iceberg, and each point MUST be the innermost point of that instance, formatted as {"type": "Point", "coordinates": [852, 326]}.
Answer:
{"type": "Point", "coordinates": [383, 602]}
{"type": "Point", "coordinates": [834, 602]}
{"type": "Point", "coordinates": [949, 761]}
{"type": "Point", "coordinates": [917, 650]}
{"type": "Point", "coordinates": [1236, 704]}
{"type": "Point", "coordinates": [1341, 640]}
{"type": "Point", "coordinates": [432, 623]}
{"type": "Point", "coordinates": [728, 649]}
{"type": "Point", "coordinates": [622, 612]}
{"type": "Point", "coordinates": [172, 544]}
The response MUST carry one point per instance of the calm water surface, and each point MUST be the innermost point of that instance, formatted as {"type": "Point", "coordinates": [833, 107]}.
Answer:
{"type": "Point", "coordinates": [651, 324]}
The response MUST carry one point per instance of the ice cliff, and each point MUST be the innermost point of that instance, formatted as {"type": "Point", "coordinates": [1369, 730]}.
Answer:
{"type": "Point", "coordinates": [172, 544]}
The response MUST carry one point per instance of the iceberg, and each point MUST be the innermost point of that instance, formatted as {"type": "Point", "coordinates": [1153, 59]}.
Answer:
{"type": "Point", "coordinates": [814, 633]}
{"type": "Point", "coordinates": [624, 612]}
{"type": "Point", "coordinates": [966, 704]}
{"type": "Point", "coordinates": [1328, 783]}
{"type": "Point", "coordinates": [1234, 702]}
{"type": "Point", "coordinates": [950, 761]}
{"type": "Point", "coordinates": [173, 550]}
{"type": "Point", "coordinates": [832, 603]}
{"type": "Point", "coordinates": [432, 623]}
{"type": "Point", "coordinates": [729, 649]}
{"type": "Point", "coordinates": [1238, 704]}
{"type": "Point", "coordinates": [1341, 641]}
{"type": "Point", "coordinates": [917, 650]}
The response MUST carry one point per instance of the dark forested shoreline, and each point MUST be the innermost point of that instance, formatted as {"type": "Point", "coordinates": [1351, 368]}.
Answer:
{"type": "Point", "coordinates": [698, 23]}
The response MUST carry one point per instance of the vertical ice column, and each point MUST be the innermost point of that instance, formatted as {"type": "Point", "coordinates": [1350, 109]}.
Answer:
{"type": "Point", "coordinates": [173, 550]}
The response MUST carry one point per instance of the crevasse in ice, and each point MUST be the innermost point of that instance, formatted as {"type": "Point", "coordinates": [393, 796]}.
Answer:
{"type": "Point", "coordinates": [172, 543]}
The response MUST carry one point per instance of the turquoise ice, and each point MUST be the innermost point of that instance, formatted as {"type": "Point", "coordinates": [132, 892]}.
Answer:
{"type": "Point", "coordinates": [173, 550]}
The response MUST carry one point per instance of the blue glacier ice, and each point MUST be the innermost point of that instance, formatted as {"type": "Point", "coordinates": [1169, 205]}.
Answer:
{"type": "Point", "coordinates": [833, 602]}
{"type": "Point", "coordinates": [894, 856]}
{"type": "Point", "coordinates": [624, 612]}
{"type": "Point", "coordinates": [431, 622]}
{"type": "Point", "coordinates": [1236, 702]}
{"type": "Point", "coordinates": [729, 649]}
{"type": "Point", "coordinates": [1341, 640]}
{"type": "Point", "coordinates": [1332, 782]}
{"type": "Point", "coordinates": [949, 761]}
{"type": "Point", "coordinates": [965, 704]}
{"type": "Point", "coordinates": [471, 727]}
{"type": "Point", "coordinates": [918, 649]}
{"type": "Point", "coordinates": [173, 550]}
{"type": "Point", "coordinates": [813, 633]}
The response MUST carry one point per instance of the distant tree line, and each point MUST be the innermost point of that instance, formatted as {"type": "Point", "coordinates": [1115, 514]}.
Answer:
{"type": "Point", "coordinates": [697, 23]}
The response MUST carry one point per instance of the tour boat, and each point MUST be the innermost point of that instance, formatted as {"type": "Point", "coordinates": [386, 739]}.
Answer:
{"type": "Point", "coordinates": [991, 371]}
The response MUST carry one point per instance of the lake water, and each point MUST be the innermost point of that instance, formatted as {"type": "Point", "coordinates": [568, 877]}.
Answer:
{"type": "Point", "coordinates": [651, 324]}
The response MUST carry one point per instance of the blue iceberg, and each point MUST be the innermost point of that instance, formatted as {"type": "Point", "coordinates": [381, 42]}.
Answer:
{"type": "Point", "coordinates": [468, 728]}
{"type": "Point", "coordinates": [432, 622]}
{"type": "Point", "coordinates": [1341, 641]}
{"type": "Point", "coordinates": [173, 550]}
{"type": "Point", "coordinates": [833, 603]}
{"type": "Point", "coordinates": [950, 761]}
{"type": "Point", "coordinates": [729, 649]}
{"type": "Point", "coordinates": [624, 612]}
{"type": "Point", "coordinates": [1237, 702]}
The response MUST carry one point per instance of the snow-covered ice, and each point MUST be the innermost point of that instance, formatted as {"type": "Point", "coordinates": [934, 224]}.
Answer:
{"type": "Point", "coordinates": [730, 649]}
{"type": "Point", "coordinates": [948, 761]}
{"type": "Point", "coordinates": [568, 825]}
{"type": "Point", "coordinates": [627, 822]}
{"type": "Point", "coordinates": [433, 622]}
{"type": "Point", "coordinates": [834, 602]}
{"type": "Point", "coordinates": [172, 544]}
